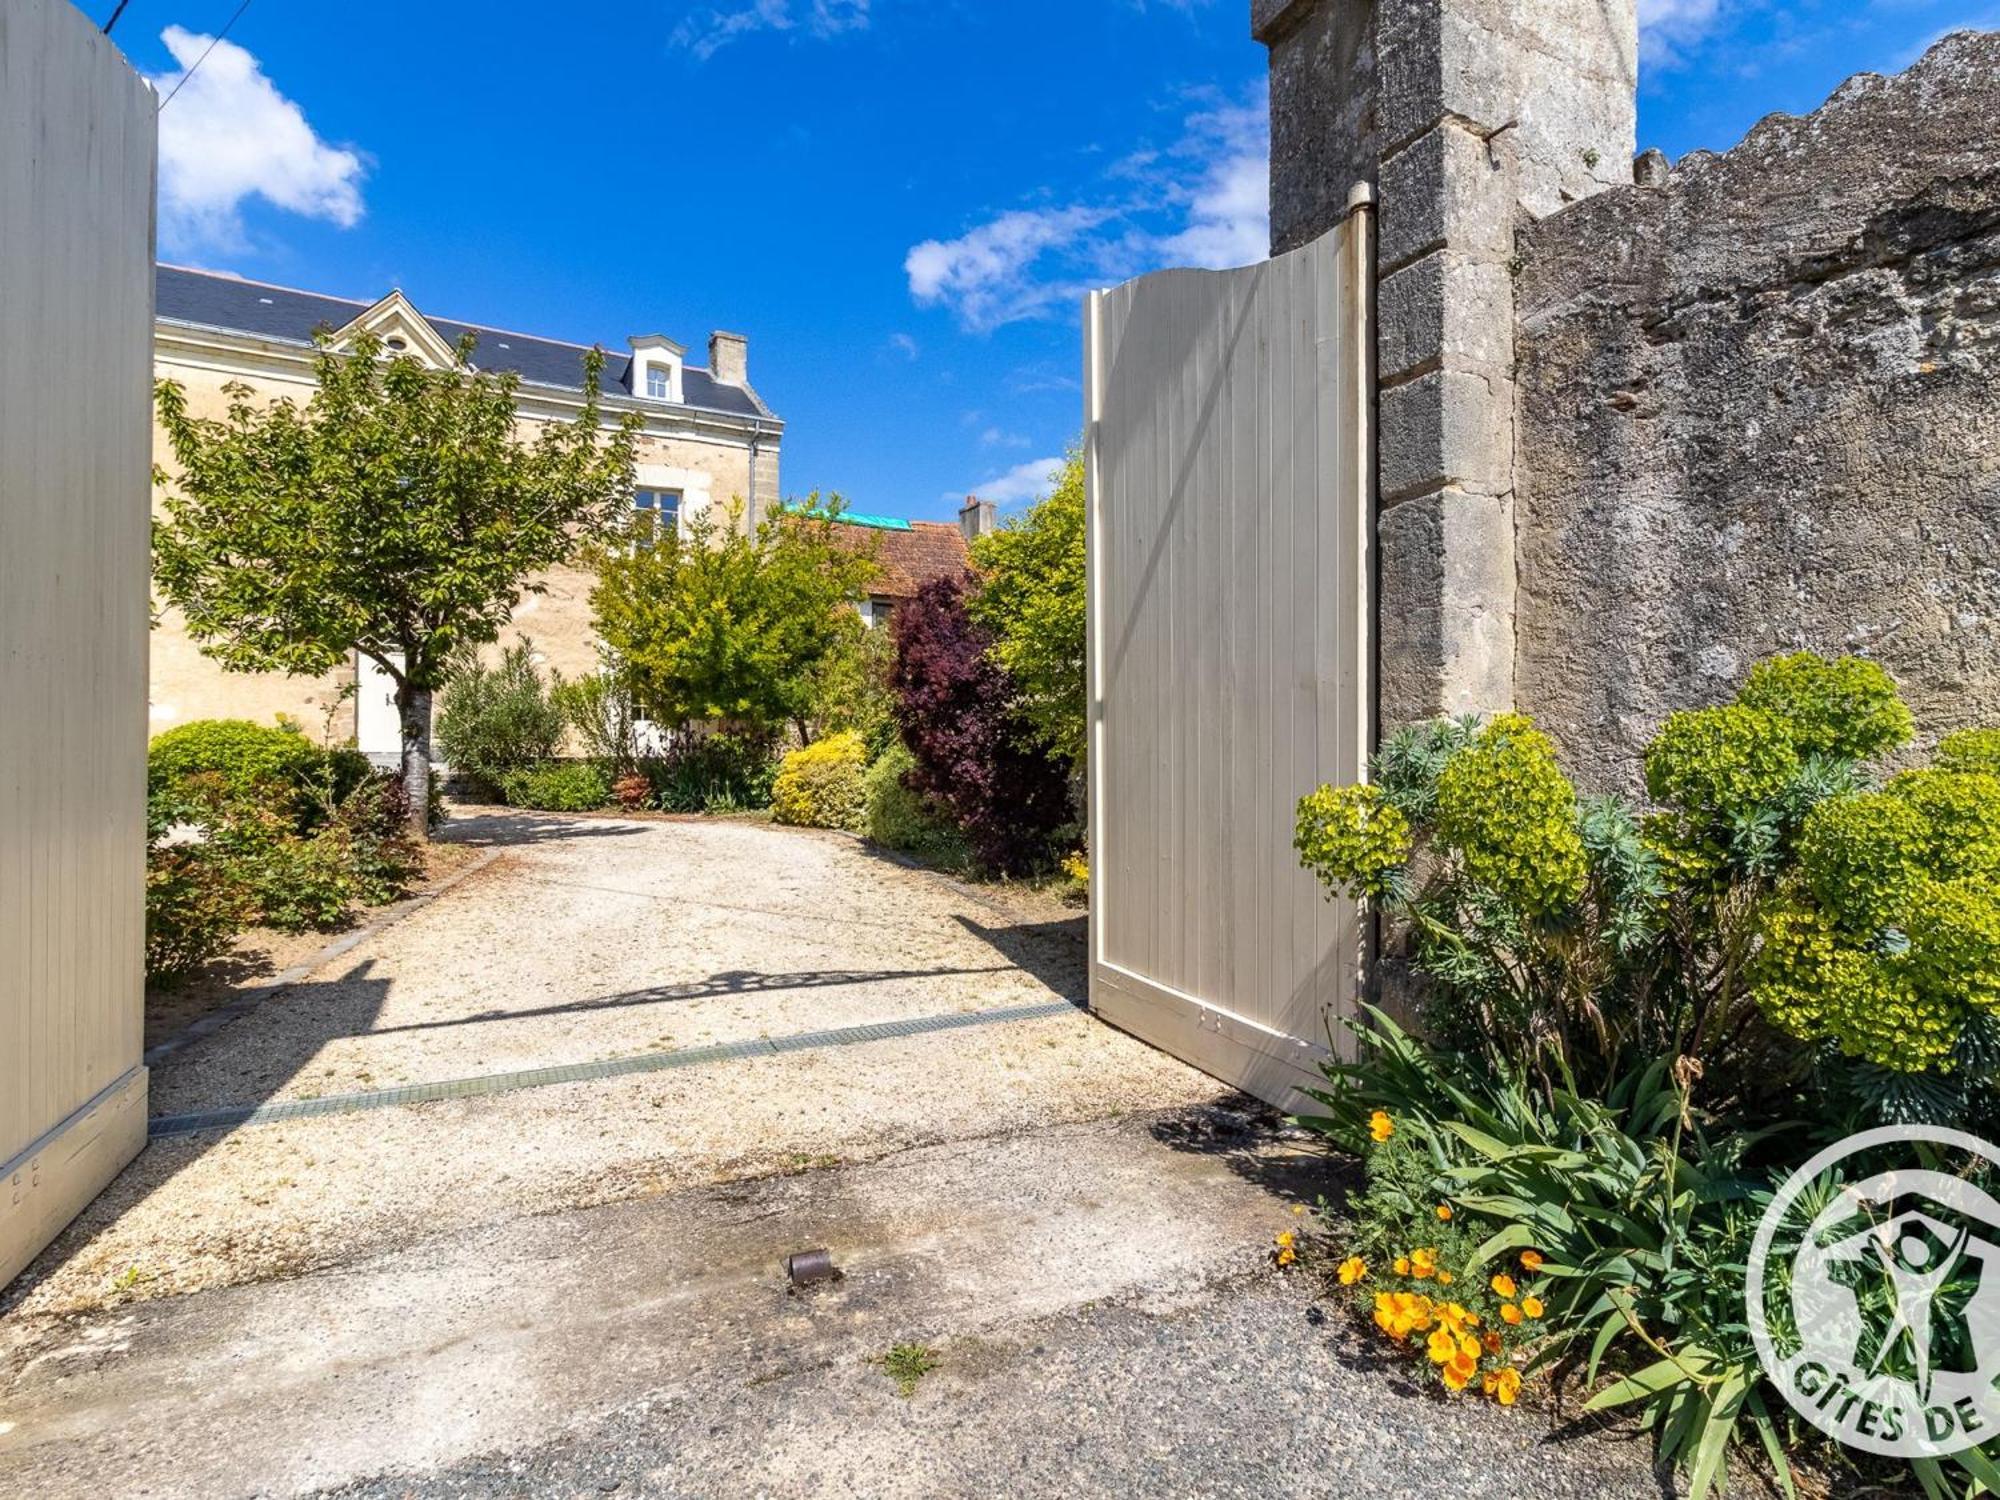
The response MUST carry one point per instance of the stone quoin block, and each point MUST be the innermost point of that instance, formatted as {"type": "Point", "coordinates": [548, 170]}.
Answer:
{"type": "Point", "coordinates": [1447, 607]}
{"type": "Point", "coordinates": [1447, 311]}
{"type": "Point", "coordinates": [1450, 185]}
{"type": "Point", "coordinates": [1446, 428]}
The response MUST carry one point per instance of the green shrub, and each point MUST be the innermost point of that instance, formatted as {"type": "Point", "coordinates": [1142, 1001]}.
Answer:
{"type": "Point", "coordinates": [247, 756]}
{"type": "Point", "coordinates": [899, 818]}
{"type": "Point", "coordinates": [493, 720]}
{"type": "Point", "coordinates": [225, 762]}
{"type": "Point", "coordinates": [373, 821]}
{"type": "Point", "coordinates": [599, 711]}
{"type": "Point", "coordinates": [305, 884]}
{"type": "Point", "coordinates": [557, 786]}
{"type": "Point", "coordinates": [196, 898]}
{"type": "Point", "coordinates": [820, 786]}
{"type": "Point", "coordinates": [240, 862]}
{"type": "Point", "coordinates": [712, 773]}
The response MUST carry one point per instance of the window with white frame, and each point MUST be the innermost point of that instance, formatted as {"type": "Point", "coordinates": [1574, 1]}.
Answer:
{"type": "Point", "coordinates": [663, 506]}
{"type": "Point", "coordinates": [657, 384]}
{"type": "Point", "coordinates": [876, 612]}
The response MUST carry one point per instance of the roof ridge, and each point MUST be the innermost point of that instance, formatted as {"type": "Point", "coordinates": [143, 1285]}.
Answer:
{"type": "Point", "coordinates": [299, 291]}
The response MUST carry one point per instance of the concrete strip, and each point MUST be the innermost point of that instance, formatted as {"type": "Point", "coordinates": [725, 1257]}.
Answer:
{"type": "Point", "coordinates": [231, 1116]}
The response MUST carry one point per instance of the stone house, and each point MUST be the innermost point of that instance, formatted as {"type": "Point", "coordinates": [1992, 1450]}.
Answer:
{"type": "Point", "coordinates": [707, 439]}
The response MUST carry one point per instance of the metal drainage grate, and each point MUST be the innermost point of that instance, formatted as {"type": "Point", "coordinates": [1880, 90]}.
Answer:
{"type": "Point", "coordinates": [617, 1067]}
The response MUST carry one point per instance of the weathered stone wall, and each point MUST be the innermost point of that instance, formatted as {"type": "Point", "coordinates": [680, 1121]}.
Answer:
{"type": "Point", "coordinates": [1758, 409]}
{"type": "Point", "coordinates": [1467, 115]}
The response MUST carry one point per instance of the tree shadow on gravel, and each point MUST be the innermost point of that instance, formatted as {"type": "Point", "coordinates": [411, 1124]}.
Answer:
{"type": "Point", "coordinates": [515, 830]}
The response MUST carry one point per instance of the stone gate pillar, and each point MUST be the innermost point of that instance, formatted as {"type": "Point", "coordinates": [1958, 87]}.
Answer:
{"type": "Point", "coordinates": [1467, 116]}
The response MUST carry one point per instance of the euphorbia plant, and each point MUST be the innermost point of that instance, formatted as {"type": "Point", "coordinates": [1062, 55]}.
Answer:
{"type": "Point", "coordinates": [1774, 913]}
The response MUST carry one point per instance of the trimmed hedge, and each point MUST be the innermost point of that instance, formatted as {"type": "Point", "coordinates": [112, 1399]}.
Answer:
{"type": "Point", "coordinates": [899, 818]}
{"type": "Point", "coordinates": [236, 761]}
{"type": "Point", "coordinates": [821, 785]}
{"type": "Point", "coordinates": [557, 786]}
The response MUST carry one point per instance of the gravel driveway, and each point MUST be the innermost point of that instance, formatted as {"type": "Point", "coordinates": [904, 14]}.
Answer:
{"type": "Point", "coordinates": [573, 1287]}
{"type": "Point", "coordinates": [595, 940]}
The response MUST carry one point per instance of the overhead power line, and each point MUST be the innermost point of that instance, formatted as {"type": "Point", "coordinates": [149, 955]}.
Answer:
{"type": "Point", "coordinates": [115, 15]}
{"type": "Point", "coordinates": [213, 44]}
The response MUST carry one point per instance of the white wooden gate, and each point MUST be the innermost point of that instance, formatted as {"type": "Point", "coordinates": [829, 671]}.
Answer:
{"type": "Point", "coordinates": [1230, 446]}
{"type": "Point", "coordinates": [76, 366]}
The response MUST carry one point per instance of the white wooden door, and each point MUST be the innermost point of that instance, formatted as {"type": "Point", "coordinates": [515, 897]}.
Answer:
{"type": "Point", "coordinates": [378, 727]}
{"type": "Point", "coordinates": [1229, 442]}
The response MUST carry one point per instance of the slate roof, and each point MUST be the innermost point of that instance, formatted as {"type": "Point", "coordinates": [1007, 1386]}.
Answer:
{"type": "Point", "coordinates": [909, 556]}
{"type": "Point", "coordinates": [208, 300]}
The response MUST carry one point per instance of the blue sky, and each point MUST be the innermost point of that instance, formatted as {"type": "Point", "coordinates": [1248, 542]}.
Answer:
{"type": "Point", "coordinates": [899, 201]}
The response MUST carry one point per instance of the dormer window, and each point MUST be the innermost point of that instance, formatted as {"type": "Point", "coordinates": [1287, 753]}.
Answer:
{"type": "Point", "coordinates": [656, 368]}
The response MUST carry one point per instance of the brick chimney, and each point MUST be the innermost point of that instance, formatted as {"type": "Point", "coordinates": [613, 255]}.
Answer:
{"type": "Point", "coordinates": [729, 358]}
{"type": "Point", "coordinates": [978, 518]}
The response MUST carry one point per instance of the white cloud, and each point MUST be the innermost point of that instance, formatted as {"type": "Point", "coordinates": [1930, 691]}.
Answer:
{"type": "Point", "coordinates": [906, 346]}
{"type": "Point", "coordinates": [1029, 481]}
{"type": "Point", "coordinates": [999, 437]}
{"type": "Point", "coordinates": [1229, 213]}
{"type": "Point", "coordinates": [707, 32]}
{"type": "Point", "coordinates": [229, 136]}
{"type": "Point", "coordinates": [1668, 26]}
{"type": "Point", "coordinates": [988, 276]}
{"type": "Point", "coordinates": [1203, 201]}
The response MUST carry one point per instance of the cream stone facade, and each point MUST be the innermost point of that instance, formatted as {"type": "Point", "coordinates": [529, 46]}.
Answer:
{"type": "Point", "coordinates": [705, 442]}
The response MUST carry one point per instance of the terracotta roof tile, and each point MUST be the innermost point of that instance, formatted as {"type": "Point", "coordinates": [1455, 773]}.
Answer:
{"type": "Point", "coordinates": [907, 560]}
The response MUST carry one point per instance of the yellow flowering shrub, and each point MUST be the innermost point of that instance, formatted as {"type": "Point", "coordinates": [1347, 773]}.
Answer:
{"type": "Point", "coordinates": [1970, 750]}
{"type": "Point", "coordinates": [822, 786]}
{"type": "Point", "coordinates": [1846, 709]}
{"type": "Point", "coordinates": [1961, 811]}
{"type": "Point", "coordinates": [1887, 940]}
{"type": "Point", "coordinates": [1505, 807]}
{"type": "Point", "coordinates": [1717, 760]}
{"type": "Point", "coordinates": [1860, 858]}
{"type": "Point", "coordinates": [1352, 839]}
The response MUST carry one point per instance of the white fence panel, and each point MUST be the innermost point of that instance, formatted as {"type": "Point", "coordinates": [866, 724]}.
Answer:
{"type": "Point", "coordinates": [1230, 445]}
{"type": "Point", "coordinates": [76, 363]}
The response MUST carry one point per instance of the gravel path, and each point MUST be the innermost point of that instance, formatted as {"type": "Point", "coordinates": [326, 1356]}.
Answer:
{"type": "Point", "coordinates": [575, 1289]}
{"type": "Point", "coordinates": [592, 939]}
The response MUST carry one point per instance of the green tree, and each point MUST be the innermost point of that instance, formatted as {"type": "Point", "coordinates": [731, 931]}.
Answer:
{"type": "Point", "coordinates": [396, 514]}
{"type": "Point", "coordinates": [1031, 597]}
{"type": "Point", "coordinates": [716, 625]}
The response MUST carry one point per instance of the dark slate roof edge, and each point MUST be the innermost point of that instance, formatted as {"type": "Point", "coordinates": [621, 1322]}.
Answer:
{"type": "Point", "coordinates": [762, 411]}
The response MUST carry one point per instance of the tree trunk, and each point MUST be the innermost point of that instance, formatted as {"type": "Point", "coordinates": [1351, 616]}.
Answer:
{"type": "Point", "coordinates": [413, 704]}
